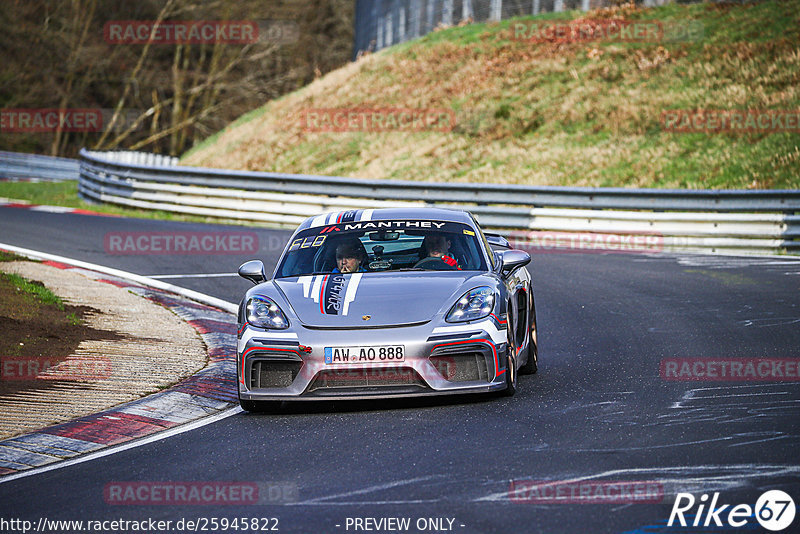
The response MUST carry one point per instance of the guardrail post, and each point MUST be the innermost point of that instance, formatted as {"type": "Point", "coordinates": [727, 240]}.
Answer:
{"type": "Point", "coordinates": [397, 36]}
{"type": "Point", "coordinates": [402, 28]}
{"type": "Point", "coordinates": [447, 12]}
{"type": "Point", "coordinates": [535, 6]}
{"type": "Point", "coordinates": [389, 31]}
{"type": "Point", "coordinates": [496, 10]}
{"type": "Point", "coordinates": [430, 19]}
{"type": "Point", "coordinates": [585, 5]}
{"type": "Point", "coordinates": [416, 18]}
{"type": "Point", "coordinates": [466, 10]}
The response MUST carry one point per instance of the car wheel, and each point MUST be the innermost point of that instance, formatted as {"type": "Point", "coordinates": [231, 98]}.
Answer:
{"type": "Point", "coordinates": [532, 363]}
{"type": "Point", "coordinates": [249, 405]}
{"type": "Point", "coordinates": [511, 357]}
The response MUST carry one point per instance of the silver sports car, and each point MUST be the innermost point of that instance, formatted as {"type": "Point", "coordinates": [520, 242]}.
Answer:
{"type": "Point", "coordinates": [384, 303]}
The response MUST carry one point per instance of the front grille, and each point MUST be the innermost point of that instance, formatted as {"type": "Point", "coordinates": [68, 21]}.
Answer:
{"type": "Point", "coordinates": [371, 377]}
{"type": "Point", "coordinates": [461, 367]}
{"type": "Point", "coordinates": [273, 374]}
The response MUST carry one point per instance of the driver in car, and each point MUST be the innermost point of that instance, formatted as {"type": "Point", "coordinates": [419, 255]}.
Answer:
{"type": "Point", "coordinates": [349, 257]}
{"type": "Point", "coordinates": [438, 246]}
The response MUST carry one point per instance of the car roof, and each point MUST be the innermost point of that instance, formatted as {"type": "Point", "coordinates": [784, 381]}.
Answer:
{"type": "Point", "coordinates": [388, 214]}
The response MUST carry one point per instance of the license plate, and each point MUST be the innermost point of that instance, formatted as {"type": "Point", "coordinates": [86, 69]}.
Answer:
{"type": "Point", "coordinates": [365, 354]}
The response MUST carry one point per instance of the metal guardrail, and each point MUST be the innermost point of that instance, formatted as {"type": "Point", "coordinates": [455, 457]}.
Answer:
{"type": "Point", "coordinates": [702, 221]}
{"type": "Point", "coordinates": [19, 166]}
{"type": "Point", "coordinates": [382, 23]}
{"type": "Point", "coordinates": [131, 157]}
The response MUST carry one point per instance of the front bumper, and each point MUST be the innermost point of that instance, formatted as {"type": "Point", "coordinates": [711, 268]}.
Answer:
{"type": "Point", "coordinates": [448, 359]}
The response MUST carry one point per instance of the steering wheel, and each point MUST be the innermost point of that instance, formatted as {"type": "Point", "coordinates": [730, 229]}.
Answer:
{"type": "Point", "coordinates": [433, 263]}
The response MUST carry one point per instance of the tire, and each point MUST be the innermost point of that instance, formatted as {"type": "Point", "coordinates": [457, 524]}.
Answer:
{"type": "Point", "coordinates": [511, 378]}
{"type": "Point", "coordinates": [532, 363]}
{"type": "Point", "coordinates": [249, 405]}
{"type": "Point", "coordinates": [511, 357]}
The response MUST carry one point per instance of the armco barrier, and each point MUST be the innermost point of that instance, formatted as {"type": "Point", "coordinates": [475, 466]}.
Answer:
{"type": "Point", "coordinates": [18, 166]}
{"type": "Point", "coordinates": [22, 166]}
{"type": "Point", "coordinates": [762, 221]}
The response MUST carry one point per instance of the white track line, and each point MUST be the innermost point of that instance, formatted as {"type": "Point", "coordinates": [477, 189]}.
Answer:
{"type": "Point", "coordinates": [125, 446]}
{"type": "Point", "coordinates": [204, 275]}
{"type": "Point", "coordinates": [146, 281]}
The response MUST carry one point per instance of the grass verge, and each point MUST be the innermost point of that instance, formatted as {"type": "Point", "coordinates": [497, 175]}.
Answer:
{"type": "Point", "coordinates": [66, 194]}
{"type": "Point", "coordinates": [36, 290]}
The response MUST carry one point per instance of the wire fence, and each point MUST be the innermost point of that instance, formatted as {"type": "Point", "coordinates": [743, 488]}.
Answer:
{"type": "Point", "coordinates": [382, 23]}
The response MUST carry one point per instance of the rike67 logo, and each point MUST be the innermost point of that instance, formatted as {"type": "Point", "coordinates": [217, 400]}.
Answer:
{"type": "Point", "coordinates": [774, 511]}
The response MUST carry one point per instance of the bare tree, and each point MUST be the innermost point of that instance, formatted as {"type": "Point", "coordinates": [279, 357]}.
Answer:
{"type": "Point", "coordinates": [155, 96]}
{"type": "Point", "coordinates": [77, 31]}
{"type": "Point", "coordinates": [132, 78]}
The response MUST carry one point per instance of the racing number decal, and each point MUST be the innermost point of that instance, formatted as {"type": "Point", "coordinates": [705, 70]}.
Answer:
{"type": "Point", "coordinates": [333, 292]}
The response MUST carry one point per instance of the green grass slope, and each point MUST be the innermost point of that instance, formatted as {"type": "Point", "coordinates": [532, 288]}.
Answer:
{"type": "Point", "coordinates": [550, 113]}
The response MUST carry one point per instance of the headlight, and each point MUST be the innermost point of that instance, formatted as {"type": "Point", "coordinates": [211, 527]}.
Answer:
{"type": "Point", "coordinates": [474, 304]}
{"type": "Point", "coordinates": [264, 313]}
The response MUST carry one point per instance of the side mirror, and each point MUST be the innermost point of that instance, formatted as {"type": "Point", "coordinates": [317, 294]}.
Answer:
{"type": "Point", "coordinates": [253, 270]}
{"type": "Point", "coordinates": [514, 258]}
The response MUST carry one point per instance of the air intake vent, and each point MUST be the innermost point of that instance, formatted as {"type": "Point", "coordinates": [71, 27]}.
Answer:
{"type": "Point", "coordinates": [360, 378]}
{"type": "Point", "coordinates": [272, 374]}
{"type": "Point", "coordinates": [461, 367]}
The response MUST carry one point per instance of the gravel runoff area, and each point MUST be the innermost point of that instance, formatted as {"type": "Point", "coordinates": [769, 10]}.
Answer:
{"type": "Point", "coordinates": [155, 349]}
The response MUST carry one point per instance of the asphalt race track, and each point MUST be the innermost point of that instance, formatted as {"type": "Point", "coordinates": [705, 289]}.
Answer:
{"type": "Point", "coordinates": [599, 409]}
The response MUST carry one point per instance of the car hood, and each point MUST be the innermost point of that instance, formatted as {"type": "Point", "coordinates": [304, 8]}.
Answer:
{"type": "Point", "coordinates": [346, 300]}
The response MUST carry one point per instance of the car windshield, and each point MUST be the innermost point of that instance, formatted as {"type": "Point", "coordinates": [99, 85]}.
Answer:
{"type": "Point", "coordinates": [380, 246]}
